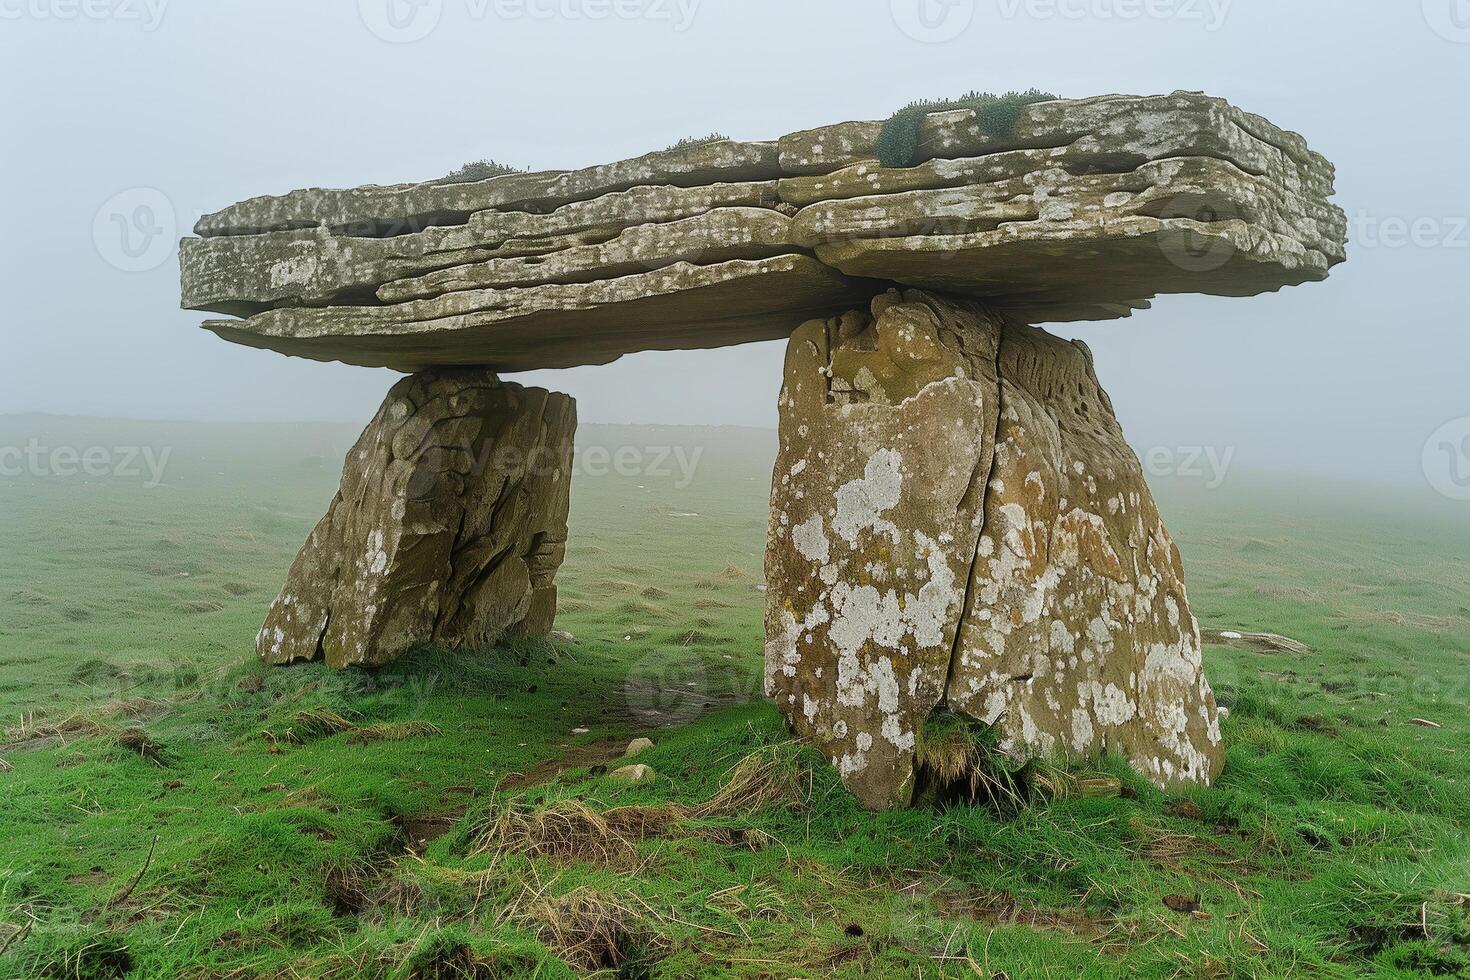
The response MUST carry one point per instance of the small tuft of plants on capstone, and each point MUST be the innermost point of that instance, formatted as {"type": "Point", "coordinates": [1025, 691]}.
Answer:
{"type": "Point", "coordinates": [692, 141]}
{"type": "Point", "coordinates": [479, 170]}
{"type": "Point", "coordinates": [996, 115]}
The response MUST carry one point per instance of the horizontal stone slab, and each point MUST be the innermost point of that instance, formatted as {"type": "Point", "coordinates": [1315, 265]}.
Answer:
{"type": "Point", "coordinates": [1085, 209]}
{"type": "Point", "coordinates": [713, 237]}
{"type": "Point", "coordinates": [413, 206]}
{"type": "Point", "coordinates": [683, 306]}
{"type": "Point", "coordinates": [246, 273]}
{"type": "Point", "coordinates": [1118, 127]}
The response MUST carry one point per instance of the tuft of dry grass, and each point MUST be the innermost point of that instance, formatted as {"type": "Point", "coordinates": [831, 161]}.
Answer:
{"type": "Point", "coordinates": [955, 760]}
{"type": "Point", "coordinates": [767, 777]}
{"type": "Point", "coordinates": [589, 929]}
{"type": "Point", "coordinates": [138, 741]}
{"type": "Point", "coordinates": [80, 725]}
{"type": "Point", "coordinates": [951, 754]}
{"type": "Point", "coordinates": [642, 607]}
{"type": "Point", "coordinates": [570, 830]}
{"type": "Point", "coordinates": [310, 725]}
{"type": "Point", "coordinates": [399, 732]}
{"type": "Point", "coordinates": [1054, 784]}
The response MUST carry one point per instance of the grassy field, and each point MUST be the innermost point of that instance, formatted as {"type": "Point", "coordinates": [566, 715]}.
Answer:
{"type": "Point", "coordinates": [170, 808]}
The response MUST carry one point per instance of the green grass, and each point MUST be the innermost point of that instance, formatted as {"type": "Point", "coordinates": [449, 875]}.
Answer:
{"type": "Point", "coordinates": [418, 822]}
{"type": "Point", "coordinates": [996, 115]}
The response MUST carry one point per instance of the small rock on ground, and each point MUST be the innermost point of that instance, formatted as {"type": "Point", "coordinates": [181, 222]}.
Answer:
{"type": "Point", "coordinates": [632, 774]}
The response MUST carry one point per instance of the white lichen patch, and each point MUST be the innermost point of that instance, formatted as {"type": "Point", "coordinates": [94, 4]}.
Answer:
{"type": "Point", "coordinates": [810, 539]}
{"type": "Point", "coordinates": [860, 503]}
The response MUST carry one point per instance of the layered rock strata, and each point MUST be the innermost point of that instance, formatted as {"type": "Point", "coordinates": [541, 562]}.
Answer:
{"type": "Point", "coordinates": [1085, 209]}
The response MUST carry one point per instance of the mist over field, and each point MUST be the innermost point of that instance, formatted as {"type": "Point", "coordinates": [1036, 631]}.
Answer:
{"type": "Point", "coordinates": [187, 106]}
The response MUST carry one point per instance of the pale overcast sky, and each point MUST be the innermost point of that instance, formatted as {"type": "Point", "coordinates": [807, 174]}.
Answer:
{"type": "Point", "coordinates": [204, 102]}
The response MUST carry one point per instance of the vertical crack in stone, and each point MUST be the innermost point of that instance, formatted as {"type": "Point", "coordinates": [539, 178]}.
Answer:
{"type": "Point", "coordinates": [909, 457]}
{"type": "Point", "coordinates": [982, 488]}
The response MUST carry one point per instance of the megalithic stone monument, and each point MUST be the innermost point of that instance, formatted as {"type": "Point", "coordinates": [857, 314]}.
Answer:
{"type": "Point", "coordinates": [957, 523]}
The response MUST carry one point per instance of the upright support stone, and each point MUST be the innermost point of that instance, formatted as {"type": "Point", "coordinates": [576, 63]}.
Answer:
{"type": "Point", "coordinates": [1078, 638]}
{"type": "Point", "coordinates": [887, 429]}
{"type": "Point", "coordinates": [957, 523]}
{"type": "Point", "coordinates": [449, 526]}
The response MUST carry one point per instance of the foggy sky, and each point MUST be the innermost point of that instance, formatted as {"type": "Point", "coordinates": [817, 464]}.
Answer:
{"type": "Point", "coordinates": [200, 103]}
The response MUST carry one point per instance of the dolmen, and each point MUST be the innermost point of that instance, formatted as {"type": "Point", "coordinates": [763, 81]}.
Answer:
{"type": "Point", "coordinates": [957, 524]}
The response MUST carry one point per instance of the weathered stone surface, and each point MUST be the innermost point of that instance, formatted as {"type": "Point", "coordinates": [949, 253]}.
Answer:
{"type": "Point", "coordinates": [637, 773]}
{"type": "Point", "coordinates": [449, 526]}
{"type": "Point", "coordinates": [1078, 638]}
{"type": "Point", "coordinates": [1085, 210]}
{"type": "Point", "coordinates": [244, 273]}
{"type": "Point", "coordinates": [679, 306]}
{"type": "Point", "coordinates": [1102, 131]}
{"type": "Point", "coordinates": [637, 747]}
{"type": "Point", "coordinates": [405, 207]}
{"type": "Point", "coordinates": [957, 522]}
{"type": "Point", "coordinates": [876, 510]}
{"type": "Point", "coordinates": [706, 239]}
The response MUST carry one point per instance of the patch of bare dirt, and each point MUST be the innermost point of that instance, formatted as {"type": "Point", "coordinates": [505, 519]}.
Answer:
{"type": "Point", "coordinates": [588, 756]}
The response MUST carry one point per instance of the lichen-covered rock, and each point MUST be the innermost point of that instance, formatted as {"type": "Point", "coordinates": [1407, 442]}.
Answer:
{"type": "Point", "coordinates": [243, 274]}
{"type": "Point", "coordinates": [1084, 210]}
{"type": "Point", "coordinates": [448, 528]}
{"type": "Point", "coordinates": [957, 523]}
{"type": "Point", "coordinates": [680, 306]}
{"type": "Point", "coordinates": [402, 207]}
{"type": "Point", "coordinates": [876, 509]}
{"type": "Point", "coordinates": [1078, 638]}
